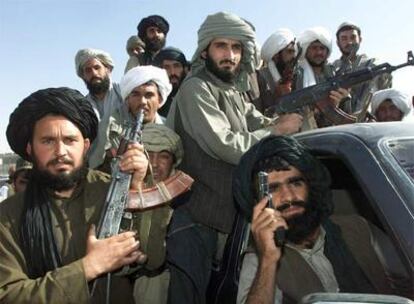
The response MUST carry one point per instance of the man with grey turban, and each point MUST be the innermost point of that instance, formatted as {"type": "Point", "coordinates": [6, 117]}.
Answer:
{"type": "Point", "coordinates": [391, 105]}
{"type": "Point", "coordinates": [135, 46]}
{"type": "Point", "coordinates": [49, 252]}
{"type": "Point", "coordinates": [314, 68]}
{"type": "Point", "coordinates": [95, 68]}
{"type": "Point", "coordinates": [174, 62]}
{"type": "Point", "coordinates": [348, 40]}
{"type": "Point", "coordinates": [165, 153]}
{"type": "Point", "coordinates": [217, 126]}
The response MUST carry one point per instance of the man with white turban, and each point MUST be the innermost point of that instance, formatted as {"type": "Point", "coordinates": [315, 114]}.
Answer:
{"type": "Point", "coordinates": [95, 68]}
{"type": "Point", "coordinates": [217, 126]}
{"type": "Point", "coordinates": [348, 40]}
{"type": "Point", "coordinates": [391, 105]}
{"type": "Point", "coordinates": [316, 44]}
{"type": "Point", "coordinates": [143, 87]}
{"type": "Point", "coordinates": [278, 51]}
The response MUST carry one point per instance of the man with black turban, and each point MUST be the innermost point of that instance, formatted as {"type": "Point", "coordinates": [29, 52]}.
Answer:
{"type": "Point", "coordinates": [48, 250]}
{"type": "Point", "coordinates": [153, 32]}
{"type": "Point", "coordinates": [217, 125]}
{"type": "Point", "coordinates": [174, 62]}
{"type": "Point", "coordinates": [322, 253]}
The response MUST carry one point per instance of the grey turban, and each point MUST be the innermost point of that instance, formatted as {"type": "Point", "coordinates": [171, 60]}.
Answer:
{"type": "Point", "coordinates": [82, 56]}
{"type": "Point", "coordinates": [157, 138]}
{"type": "Point", "coordinates": [230, 26]}
{"type": "Point", "coordinates": [53, 101]}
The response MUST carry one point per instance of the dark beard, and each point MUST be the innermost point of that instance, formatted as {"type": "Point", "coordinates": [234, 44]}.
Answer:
{"type": "Point", "coordinates": [223, 74]}
{"type": "Point", "coordinates": [316, 65]}
{"type": "Point", "coordinates": [281, 66]}
{"type": "Point", "coordinates": [97, 88]}
{"type": "Point", "coordinates": [154, 45]}
{"type": "Point", "coordinates": [176, 85]}
{"type": "Point", "coordinates": [60, 182]}
{"type": "Point", "coordinates": [302, 226]}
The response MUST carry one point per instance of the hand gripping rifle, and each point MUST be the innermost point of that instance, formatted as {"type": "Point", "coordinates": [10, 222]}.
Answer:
{"type": "Point", "coordinates": [318, 94]}
{"type": "Point", "coordinates": [117, 196]}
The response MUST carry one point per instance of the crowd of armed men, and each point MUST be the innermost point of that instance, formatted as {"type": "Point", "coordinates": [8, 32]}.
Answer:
{"type": "Point", "coordinates": [203, 125]}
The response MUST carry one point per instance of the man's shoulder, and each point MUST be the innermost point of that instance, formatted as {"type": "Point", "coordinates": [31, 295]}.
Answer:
{"type": "Point", "coordinates": [11, 209]}
{"type": "Point", "coordinates": [96, 177]}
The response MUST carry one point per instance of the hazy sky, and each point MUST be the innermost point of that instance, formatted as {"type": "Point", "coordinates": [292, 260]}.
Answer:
{"type": "Point", "coordinates": [39, 38]}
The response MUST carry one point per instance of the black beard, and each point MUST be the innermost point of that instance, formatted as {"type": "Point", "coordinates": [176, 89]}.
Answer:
{"type": "Point", "coordinates": [302, 226]}
{"type": "Point", "coordinates": [96, 88]}
{"type": "Point", "coordinates": [281, 66]}
{"type": "Point", "coordinates": [154, 45]}
{"type": "Point", "coordinates": [176, 85]}
{"type": "Point", "coordinates": [316, 65]}
{"type": "Point", "coordinates": [223, 74]}
{"type": "Point", "coordinates": [60, 182]}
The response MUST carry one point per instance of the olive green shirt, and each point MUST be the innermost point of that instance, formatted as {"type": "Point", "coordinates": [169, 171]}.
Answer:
{"type": "Point", "coordinates": [71, 219]}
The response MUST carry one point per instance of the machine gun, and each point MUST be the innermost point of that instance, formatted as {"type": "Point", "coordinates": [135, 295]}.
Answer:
{"type": "Point", "coordinates": [318, 94]}
{"type": "Point", "coordinates": [117, 196]}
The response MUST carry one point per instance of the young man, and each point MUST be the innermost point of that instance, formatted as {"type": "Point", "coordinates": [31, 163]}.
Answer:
{"type": "Point", "coordinates": [174, 62]}
{"type": "Point", "coordinates": [95, 68]}
{"type": "Point", "coordinates": [321, 253]}
{"type": "Point", "coordinates": [316, 46]}
{"type": "Point", "coordinates": [49, 251]}
{"type": "Point", "coordinates": [21, 176]}
{"type": "Point", "coordinates": [348, 40]}
{"type": "Point", "coordinates": [217, 126]}
{"type": "Point", "coordinates": [391, 105]}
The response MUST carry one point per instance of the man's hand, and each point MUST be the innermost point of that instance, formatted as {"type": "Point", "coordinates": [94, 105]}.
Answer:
{"type": "Point", "coordinates": [283, 89]}
{"type": "Point", "coordinates": [337, 96]}
{"type": "Point", "coordinates": [265, 221]}
{"type": "Point", "coordinates": [134, 161]}
{"type": "Point", "coordinates": [288, 124]}
{"type": "Point", "coordinates": [106, 255]}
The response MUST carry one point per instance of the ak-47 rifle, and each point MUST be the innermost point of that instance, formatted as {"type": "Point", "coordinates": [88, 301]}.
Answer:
{"type": "Point", "coordinates": [318, 94]}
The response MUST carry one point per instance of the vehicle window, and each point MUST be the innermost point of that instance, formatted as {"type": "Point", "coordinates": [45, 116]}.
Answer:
{"type": "Point", "coordinates": [402, 152]}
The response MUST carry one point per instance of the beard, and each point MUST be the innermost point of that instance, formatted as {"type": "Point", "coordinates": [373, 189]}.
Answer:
{"type": "Point", "coordinates": [225, 75]}
{"type": "Point", "coordinates": [353, 48]}
{"type": "Point", "coordinates": [61, 181]}
{"type": "Point", "coordinates": [154, 45]}
{"type": "Point", "coordinates": [303, 225]}
{"type": "Point", "coordinates": [96, 88]}
{"type": "Point", "coordinates": [176, 84]}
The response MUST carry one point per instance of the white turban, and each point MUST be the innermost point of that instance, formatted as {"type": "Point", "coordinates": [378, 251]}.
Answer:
{"type": "Point", "coordinates": [82, 56]}
{"type": "Point", "coordinates": [398, 98]}
{"type": "Point", "coordinates": [142, 74]}
{"type": "Point", "coordinates": [317, 33]}
{"type": "Point", "coordinates": [280, 39]}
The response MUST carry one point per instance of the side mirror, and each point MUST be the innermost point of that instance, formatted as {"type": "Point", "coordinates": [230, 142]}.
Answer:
{"type": "Point", "coordinates": [348, 298]}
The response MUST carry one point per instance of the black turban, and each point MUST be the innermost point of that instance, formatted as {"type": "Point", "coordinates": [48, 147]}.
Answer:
{"type": "Point", "coordinates": [170, 53]}
{"type": "Point", "coordinates": [153, 20]}
{"type": "Point", "coordinates": [289, 150]}
{"type": "Point", "coordinates": [56, 101]}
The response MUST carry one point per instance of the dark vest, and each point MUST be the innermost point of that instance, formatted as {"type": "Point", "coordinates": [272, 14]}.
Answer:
{"type": "Point", "coordinates": [211, 202]}
{"type": "Point", "coordinates": [357, 237]}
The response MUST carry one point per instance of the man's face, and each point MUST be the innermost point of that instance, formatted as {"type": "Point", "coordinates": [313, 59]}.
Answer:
{"type": "Point", "coordinates": [317, 54]}
{"type": "Point", "coordinates": [96, 76]}
{"type": "Point", "coordinates": [347, 39]}
{"type": "Point", "coordinates": [145, 97]}
{"type": "Point", "coordinates": [58, 148]}
{"type": "Point", "coordinates": [223, 58]}
{"type": "Point", "coordinates": [175, 70]}
{"type": "Point", "coordinates": [20, 180]}
{"type": "Point", "coordinates": [162, 164]}
{"type": "Point", "coordinates": [286, 55]}
{"type": "Point", "coordinates": [289, 192]}
{"type": "Point", "coordinates": [387, 111]}
{"type": "Point", "coordinates": [154, 39]}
